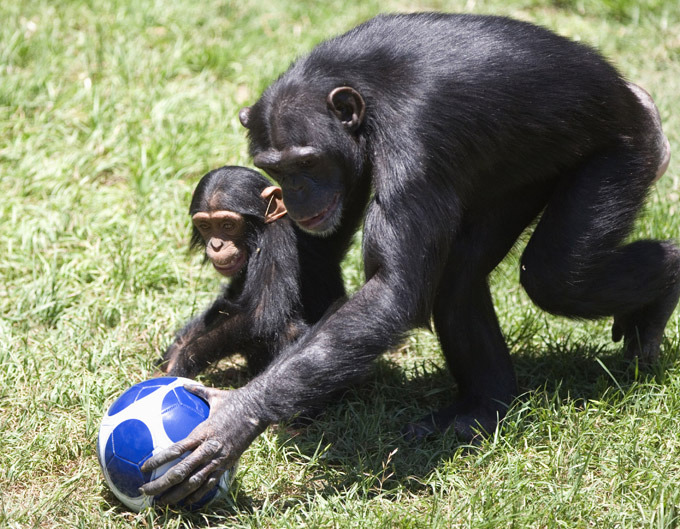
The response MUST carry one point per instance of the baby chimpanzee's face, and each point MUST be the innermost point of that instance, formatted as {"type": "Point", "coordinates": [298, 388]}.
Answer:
{"type": "Point", "coordinates": [223, 233]}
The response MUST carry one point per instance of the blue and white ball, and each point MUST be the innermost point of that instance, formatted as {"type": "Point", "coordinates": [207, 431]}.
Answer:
{"type": "Point", "coordinates": [145, 419]}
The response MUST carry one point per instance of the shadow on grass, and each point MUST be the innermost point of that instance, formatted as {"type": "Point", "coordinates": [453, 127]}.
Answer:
{"type": "Point", "coordinates": [356, 443]}
{"type": "Point", "coordinates": [585, 372]}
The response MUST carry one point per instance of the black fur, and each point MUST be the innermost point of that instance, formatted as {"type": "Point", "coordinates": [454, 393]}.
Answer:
{"type": "Point", "coordinates": [289, 281]}
{"type": "Point", "coordinates": [473, 126]}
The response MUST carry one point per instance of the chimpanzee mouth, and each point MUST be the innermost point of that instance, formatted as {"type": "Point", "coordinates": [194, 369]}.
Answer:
{"type": "Point", "coordinates": [314, 222]}
{"type": "Point", "coordinates": [229, 268]}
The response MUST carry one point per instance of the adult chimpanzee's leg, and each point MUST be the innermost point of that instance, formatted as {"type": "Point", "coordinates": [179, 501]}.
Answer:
{"type": "Point", "coordinates": [477, 356]}
{"type": "Point", "coordinates": [466, 322]}
{"type": "Point", "coordinates": [575, 265]}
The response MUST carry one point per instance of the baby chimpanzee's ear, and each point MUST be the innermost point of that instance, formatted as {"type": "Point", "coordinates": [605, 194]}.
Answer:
{"type": "Point", "coordinates": [275, 207]}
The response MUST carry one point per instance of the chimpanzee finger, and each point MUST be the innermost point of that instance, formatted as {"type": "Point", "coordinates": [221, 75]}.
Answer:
{"type": "Point", "coordinates": [182, 490]}
{"type": "Point", "coordinates": [203, 392]}
{"type": "Point", "coordinates": [193, 489]}
{"type": "Point", "coordinates": [170, 454]}
{"type": "Point", "coordinates": [183, 469]}
{"type": "Point", "coordinates": [207, 486]}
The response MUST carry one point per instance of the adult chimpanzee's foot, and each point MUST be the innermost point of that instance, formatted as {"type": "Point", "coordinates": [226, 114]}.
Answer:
{"type": "Point", "coordinates": [469, 421]}
{"type": "Point", "coordinates": [642, 331]}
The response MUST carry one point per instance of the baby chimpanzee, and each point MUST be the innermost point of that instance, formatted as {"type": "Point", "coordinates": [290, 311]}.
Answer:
{"type": "Point", "coordinates": [282, 280]}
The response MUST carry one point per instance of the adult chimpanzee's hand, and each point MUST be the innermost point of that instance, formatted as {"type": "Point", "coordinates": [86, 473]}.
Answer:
{"type": "Point", "coordinates": [215, 445]}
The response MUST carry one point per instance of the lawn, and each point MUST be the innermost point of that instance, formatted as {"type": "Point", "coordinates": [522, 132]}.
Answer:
{"type": "Point", "coordinates": [109, 114]}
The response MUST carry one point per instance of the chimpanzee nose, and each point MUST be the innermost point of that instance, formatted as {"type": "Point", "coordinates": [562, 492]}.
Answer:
{"type": "Point", "coordinates": [216, 244]}
{"type": "Point", "coordinates": [296, 192]}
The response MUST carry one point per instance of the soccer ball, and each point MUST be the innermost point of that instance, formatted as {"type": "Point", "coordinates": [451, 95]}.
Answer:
{"type": "Point", "coordinates": [145, 419]}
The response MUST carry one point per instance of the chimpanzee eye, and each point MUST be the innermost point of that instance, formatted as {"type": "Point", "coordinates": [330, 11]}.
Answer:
{"type": "Point", "coordinates": [306, 163]}
{"type": "Point", "coordinates": [228, 226]}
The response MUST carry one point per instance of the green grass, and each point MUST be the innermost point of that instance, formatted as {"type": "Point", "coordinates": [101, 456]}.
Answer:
{"type": "Point", "coordinates": [110, 112]}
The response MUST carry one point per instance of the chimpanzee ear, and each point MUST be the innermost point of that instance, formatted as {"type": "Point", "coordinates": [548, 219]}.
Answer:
{"type": "Point", "coordinates": [244, 116]}
{"type": "Point", "coordinates": [348, 105]}
{"type": "Point", "coordinates": [275, 207]}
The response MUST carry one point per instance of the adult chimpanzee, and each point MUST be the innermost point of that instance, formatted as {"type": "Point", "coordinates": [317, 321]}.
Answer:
{"type": "Point", "coordinates": [282, 279]}
{"type": "Point", "coordinates": [467, 127]}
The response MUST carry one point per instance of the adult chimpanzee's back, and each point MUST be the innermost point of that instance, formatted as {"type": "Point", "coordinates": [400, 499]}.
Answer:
{"type": "Point", "coordinates": [468, 128]}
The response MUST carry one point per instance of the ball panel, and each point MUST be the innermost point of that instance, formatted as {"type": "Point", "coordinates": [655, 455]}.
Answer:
{"type": "Point", "coordinates": [125, 477]}
{"type": "Point", "coordinates": [156, 382]}
{"type": "Point", "coordinates": [138, 391]}
{"type": "Point", "coordinates": [182, 412]}
{"type": "Point", "coordinates": [139, 503]}
{"type": "Point", "coordinates": [188, 399]}
{"type": "Point", "coordinates": [128, 446]}
{"type": "Point", "coordinates": [127, 398]}
{"type": "Point", "coordinates": [131, 440]}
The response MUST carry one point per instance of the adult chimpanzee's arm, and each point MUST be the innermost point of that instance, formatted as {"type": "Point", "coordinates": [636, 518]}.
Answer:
{"type": "Point", "coordinates": [402, 247]}
{"type": "Point", "coordinates": [300, 378]}
{"type": "Point", "coordinates": [404, 242]}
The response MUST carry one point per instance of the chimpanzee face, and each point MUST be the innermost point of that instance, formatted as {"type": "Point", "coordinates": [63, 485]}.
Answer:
{"type": "Point", "coordinates": [312, 157]}
{"type": "Point", "coordinates": [312, 185]}
{"type": "Point", "coordinates": [223, 233]}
